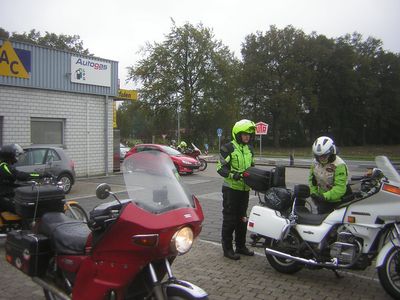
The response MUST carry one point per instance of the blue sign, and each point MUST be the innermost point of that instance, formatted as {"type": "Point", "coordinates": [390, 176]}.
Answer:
{"type": "Point", "coordinates": [25, 57]}
{"type": "Point", "coordinates": [219, 131]}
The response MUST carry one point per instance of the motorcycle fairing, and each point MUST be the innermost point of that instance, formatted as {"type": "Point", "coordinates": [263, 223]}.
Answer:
{"type": "Point", "coordinates": [315, 234]}
{"type": "Point", "coordinates": [367, 232]}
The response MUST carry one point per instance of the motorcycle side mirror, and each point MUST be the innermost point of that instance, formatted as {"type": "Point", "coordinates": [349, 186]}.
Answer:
{"type": "Point", "coordinates": [376, 173]}
{"type": "Point", "coordinates": [103, 191]}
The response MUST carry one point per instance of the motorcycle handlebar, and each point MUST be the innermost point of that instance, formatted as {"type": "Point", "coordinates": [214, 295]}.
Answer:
{"type": "Point", "coordinates": [357, 177]}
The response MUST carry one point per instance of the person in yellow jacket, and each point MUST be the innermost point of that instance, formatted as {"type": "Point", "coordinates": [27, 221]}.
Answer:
{"type": "Point", "coordinates": [328, 176]}
{"type": "Point", "coordinates": [235, 157]}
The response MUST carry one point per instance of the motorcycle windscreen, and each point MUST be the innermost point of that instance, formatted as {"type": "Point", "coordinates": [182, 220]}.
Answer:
{"type": "Point", "coordinates": [153, 183]}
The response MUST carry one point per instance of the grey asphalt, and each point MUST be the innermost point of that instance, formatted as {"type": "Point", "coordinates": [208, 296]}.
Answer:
{"type": "Point", "coordinates": [205, 266]}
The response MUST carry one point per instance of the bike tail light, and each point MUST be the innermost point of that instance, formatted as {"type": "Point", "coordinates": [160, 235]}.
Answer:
{"type": "Point", "coordinates": [146, 240]}
{"type": "Point", "coordinates": [391, 189]}
{"type": "Point", "coordinates": [182, 240]}
{"type": "Point", "coordinates": [351, 219]}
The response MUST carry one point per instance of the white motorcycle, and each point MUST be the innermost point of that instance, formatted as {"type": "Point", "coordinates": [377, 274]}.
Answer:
{"type": "Point", "coordinates": [359, 231]}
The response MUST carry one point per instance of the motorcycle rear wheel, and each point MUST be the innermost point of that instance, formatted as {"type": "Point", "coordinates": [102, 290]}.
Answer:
{"type": "Point", "coordinates": [389, 273]}
{"type": "Point", "coordinates": [78, 211]}
{"type": "Point", "coordinates": [282, 265]}
{"type": "Point", "coordinates": [203, 165]}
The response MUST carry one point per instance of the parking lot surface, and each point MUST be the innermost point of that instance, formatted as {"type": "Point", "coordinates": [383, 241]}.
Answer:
{"type": "Point", "coordinates": [205, 266]}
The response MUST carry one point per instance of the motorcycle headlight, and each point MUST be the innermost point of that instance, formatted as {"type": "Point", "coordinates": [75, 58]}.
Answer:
{"type": "Point", "coordinates": [182, 240]}
{"type": "Point", "coordinates": [186, 162]}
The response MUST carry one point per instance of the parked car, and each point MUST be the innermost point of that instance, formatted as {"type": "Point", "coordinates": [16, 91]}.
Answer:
{"type": "Point", "coordinates": [122, 151]}
{"type": "Point", "coordinates": [48, 159]}
{"type": "Point", "coordinates": [183, 163]}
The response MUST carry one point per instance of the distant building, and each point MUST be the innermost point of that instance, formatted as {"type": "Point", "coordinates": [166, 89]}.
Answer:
{"type": "Point", "coordinates": [61, 98]}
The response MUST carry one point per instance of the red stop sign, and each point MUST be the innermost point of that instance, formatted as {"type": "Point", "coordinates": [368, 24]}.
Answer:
{"type": "Point", "coordinates": [261, 128]}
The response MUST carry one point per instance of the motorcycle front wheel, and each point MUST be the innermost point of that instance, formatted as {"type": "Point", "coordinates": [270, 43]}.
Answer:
{"type": "Point", "coordinates": [280, 264]}
{"type": "Point", "coordinates": [389, 273]}
{"type": "Point", "coordinates": [181, 295]}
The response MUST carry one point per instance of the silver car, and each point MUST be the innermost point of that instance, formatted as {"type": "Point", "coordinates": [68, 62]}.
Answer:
{"type": "Point", "coordinates": [48, 159]}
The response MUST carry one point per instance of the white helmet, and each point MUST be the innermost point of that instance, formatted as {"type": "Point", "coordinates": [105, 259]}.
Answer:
{"type": "Point", "coordinates": [323, 146]}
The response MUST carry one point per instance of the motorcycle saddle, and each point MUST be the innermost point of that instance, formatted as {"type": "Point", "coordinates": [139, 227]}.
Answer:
{"type": "Point", "coordinates": [305, 217]}
{"type": "Point", "coordinates": [68, 235]}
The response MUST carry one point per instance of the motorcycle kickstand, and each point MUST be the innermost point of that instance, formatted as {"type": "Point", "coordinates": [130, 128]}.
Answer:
{"type": "Point", "coordinates": [338, 276]}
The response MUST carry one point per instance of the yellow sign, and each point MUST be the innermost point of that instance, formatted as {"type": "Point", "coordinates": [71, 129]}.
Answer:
{"type": "Point", "coordinates": [127, 94]}
{"type": "Point", "coordinates": [10, 64]}
{"type": "Point", "coordinates": [114, 105]}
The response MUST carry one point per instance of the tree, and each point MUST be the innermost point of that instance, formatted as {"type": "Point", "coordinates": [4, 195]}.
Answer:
{"type": "Point", "coordinates": [52, 40]}
{"type": "Point", "coordinates": [272, 72]}
{"type": "Point", "coordinates": [189, 72]}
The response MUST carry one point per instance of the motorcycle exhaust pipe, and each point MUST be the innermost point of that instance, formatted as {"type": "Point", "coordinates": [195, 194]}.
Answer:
{"type": "Point", "coordinates": [300, 259]}
{"type": "Point", "coordinates": [47, 286]}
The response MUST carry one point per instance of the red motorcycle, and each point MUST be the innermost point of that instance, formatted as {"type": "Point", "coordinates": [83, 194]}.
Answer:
{"type": "Point", "coordinates": [126, 248]}
{"type": "Point", "coordinates": [195, 153]}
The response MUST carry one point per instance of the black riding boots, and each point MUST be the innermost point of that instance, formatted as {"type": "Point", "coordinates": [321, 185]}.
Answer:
{"type": "Point", "coordinates": [228, 251]}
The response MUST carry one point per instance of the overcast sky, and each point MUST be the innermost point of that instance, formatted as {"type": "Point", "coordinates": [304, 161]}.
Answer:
{"type": "Point", "coordinates": [117, 29]}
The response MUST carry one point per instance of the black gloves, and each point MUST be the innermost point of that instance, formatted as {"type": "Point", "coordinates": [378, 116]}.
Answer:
{"type": "Point", "coordinates": [318, 198]}
{"type": "Point", "coordinates": [237, 175]}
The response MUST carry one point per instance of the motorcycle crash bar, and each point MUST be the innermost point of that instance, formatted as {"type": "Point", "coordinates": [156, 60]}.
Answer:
{"type": "Point", "coordinates": [305, 261]}
{"type": "Point", "coordinates": [59, 293]}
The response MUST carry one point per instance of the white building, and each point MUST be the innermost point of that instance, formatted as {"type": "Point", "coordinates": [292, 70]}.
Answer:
{"type": "Point", "coordinates": [59, 98]}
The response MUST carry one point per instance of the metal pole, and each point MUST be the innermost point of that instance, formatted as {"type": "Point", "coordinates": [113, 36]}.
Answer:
{"type": "Point", "coordinates": [106, 136]}
{"type": "Point", "coordinates": [219, 143]}
{"type": "Point", "coordinates": [260, 144]}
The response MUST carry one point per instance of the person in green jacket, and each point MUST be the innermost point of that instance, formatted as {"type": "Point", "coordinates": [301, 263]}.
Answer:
{"type": "Point", "coordinates": [235, 157]}
{"type": "Point", "coordinates": [328, 176]}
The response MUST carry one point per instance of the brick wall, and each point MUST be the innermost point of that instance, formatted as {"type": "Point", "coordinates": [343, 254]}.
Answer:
{"type": "Point", "coordinates": [84, 132]}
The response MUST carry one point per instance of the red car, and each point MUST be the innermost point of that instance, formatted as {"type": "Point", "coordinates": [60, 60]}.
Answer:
{"type": "Point", "coordinates": [182, 162]}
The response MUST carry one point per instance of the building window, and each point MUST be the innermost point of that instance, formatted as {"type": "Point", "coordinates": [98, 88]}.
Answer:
{"type": "Point", "coordinates": [47, 131]}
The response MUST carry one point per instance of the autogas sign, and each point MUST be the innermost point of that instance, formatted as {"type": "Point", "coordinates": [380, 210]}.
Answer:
{"type": "Point", "coordinates": [89, 71]}
{"type": "Point", "coordinates": [14, 62]}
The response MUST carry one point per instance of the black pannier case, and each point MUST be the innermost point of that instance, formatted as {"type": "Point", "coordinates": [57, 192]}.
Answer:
{"type": "Point", "coordinates": [261, 180]}
{"type": "Point", "coordinates": [50, 199]}
{"type": "Point", "coordinates": [258, 179]}
{"type": "Point", "coordinates": [28, 252]}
